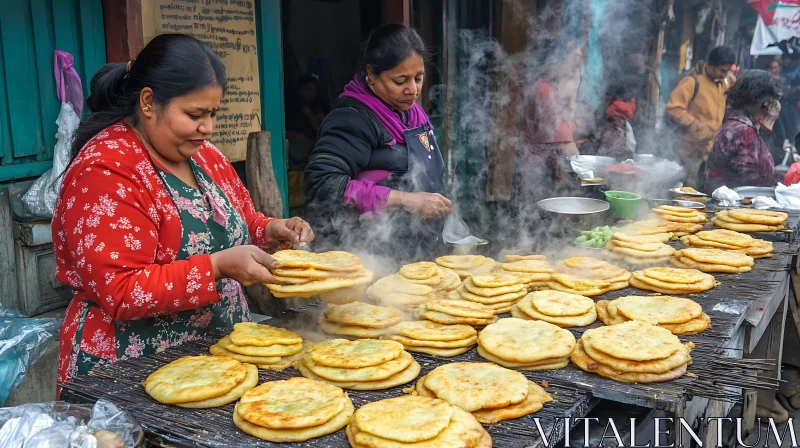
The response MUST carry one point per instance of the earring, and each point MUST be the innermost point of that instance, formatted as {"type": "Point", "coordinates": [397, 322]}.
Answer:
{"type": "Point", "coordinates": [146, 109]}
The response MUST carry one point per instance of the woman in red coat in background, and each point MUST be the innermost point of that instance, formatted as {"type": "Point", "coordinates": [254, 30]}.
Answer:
{"type": "Point", "coordinates": [153, 230]}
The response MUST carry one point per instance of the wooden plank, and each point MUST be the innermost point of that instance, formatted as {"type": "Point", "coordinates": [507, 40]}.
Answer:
{"type": "Point", "coordinates": [24, 170]}
{"type": "Point", "coordinates": [44, 44]}
{"type": "Point", "coordinates": [18, 49]}
{"type": "Point", "coordinates": [92, 40]}
{"type": "Point", "coordinates": [759, 317]}
{"type": "Point", "coordinates": [270, 63]}
{"type": "Point", "coordinates": [8, 272]}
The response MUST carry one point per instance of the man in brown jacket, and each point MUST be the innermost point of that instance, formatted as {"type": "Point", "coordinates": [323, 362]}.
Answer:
{"type": "Point", "coordinates": [697, 106]}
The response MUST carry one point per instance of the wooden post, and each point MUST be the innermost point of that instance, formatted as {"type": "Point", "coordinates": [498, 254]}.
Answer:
{"type": "Point", "coordinates": [260, 176]}
{"type": "Point", "coordinates": [8, 269]}
{"type": "Point", "coordinates": [123, 24]}
{"type": "Point", "coordinates": [397, 11]}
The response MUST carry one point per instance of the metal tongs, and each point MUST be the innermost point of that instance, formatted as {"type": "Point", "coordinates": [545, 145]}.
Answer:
{"type": "Point", "coordinates": [302, 245]}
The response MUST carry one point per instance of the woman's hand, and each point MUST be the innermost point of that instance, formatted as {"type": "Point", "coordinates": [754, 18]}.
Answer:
{"type": "Point", "coordinates": [247, 265]}
{"type": "Point", "coordinates": [292, 231]}
{"type": "Point", "coordinates": [425, 205]}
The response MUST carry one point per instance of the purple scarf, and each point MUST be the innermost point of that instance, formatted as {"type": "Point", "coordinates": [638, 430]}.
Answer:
{"type": "Point", "coordinates": [356, 90]}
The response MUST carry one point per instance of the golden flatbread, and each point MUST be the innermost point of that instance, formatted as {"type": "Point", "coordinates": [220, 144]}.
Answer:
{"type": "Point", "coordinates": [658, 309]}
{"type": "Point", "coordinates": [251, 333]}
{"type": "Point", "coordinates": [582, 320]}
{"type": "Point", "coordinates": [255, 350]}
{"type": "Point", "coordinates": [678, 276]}
{"type": "Point", "coordinates": [755, 216]}
{"type": "Point", "coordinates": [409, 342]}
{"type": "Point", "coordinates": [727, 237]}
{"type": "Point", "coordinates": [309, 274]}
{"type": "Point", "coordinates": [672, 290]}
{"type": "Point", "coordinates": [425, 330]}
{"type": "Point", "coordinates": [655, 238]}
{"type": "Point", "coordinates": [512, 258]}
{"type": "Point", "coordinates": [194, 378]}
{"type": "Point", "coordinates": [402, 377]}
{"type": "Point", "coordinates": [323, 285]}
{"type": "Point", "coordinates": [447, 319]}
{"type": "Point", "coordinates": [355, 354]}
{"type": "Point", "coordinates": [633, 341]}
{"type": "Point", "coordinates": [460, 308]}
{"type": "Point", "coordinates": [371, 373]}
{"type": "Point", "coordinates": [687, 263]}
{"type": "Point", "coordinates": [247, 383]}
{"type": "Point", "coordinates": [353, 331]}
{"type": "Point", "coordinates": [292, 404]}
{"type": "Point", "coordinates": [442, 352]}
{"type": "Point", "coordinates": [556, 303]}
{"type": "Point", "coordinates": [694, 326]}
{"type": "Point", "coordinates": [218, 350]}
{"type": "Point", "coordinates": [584, 362]}
{"type": "Point", "coordinates": [477, 385]}
{"type": "Point", "coordinates": [533, 402]}
{"type": "Point", "coordinates": [295, 435]}
{"type": "Point", "coordinates": [643, 247]}
{"type": "Point", "coordinates": [662, 251]}
{"type": "Point", "coordinates": [530, 266]}
{"type": "Point", "coordinates": [746, 228]}
{"type": "Point", "coordinates": [335, 260]}
{"type": "Point", "coordinates": [460, 262]}
{"type": "Point", "coordinates": [525, 341]}
{"type": "Point", "coordinates": [536, 366]}
{"type": "Point", "coordinates": [466, 295]}
{"type": "Point", "coordinates": [716, 256]}
{"type": "Point", "coordinates": [419, 271]}
{"type": "Point", "coordinates": [363, 314]}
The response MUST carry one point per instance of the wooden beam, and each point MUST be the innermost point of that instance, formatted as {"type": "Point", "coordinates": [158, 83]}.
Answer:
{"type": "Point", "coordinates": [397, 11]}
{"type": "Point", "coordinates": [8, 269]}
{"type": "Point", "coordinates": [123, 25]}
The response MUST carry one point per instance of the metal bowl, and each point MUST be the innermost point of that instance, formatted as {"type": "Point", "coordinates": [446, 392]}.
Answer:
{"type": "Point", "coordinates": [753, 192]}
{"type": "Point", "coordinates": [573, 206]}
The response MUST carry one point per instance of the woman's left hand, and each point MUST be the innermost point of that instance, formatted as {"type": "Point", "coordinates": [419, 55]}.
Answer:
{"type": "Point", "coordinates": [292, 231]}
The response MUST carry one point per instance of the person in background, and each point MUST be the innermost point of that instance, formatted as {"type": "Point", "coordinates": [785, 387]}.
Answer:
{"type": "Point", "coordinates": [375, 178]}
{"type": "Point", "coordinates": [305, 111]}
{"type": "Point", "coordinates": [617, 139]}
{"type": "Point", "coordinates": [740, 157]}
{"type": "Point", "coordinates": [153, 230]}
{"type": "Point", "coordinates": [697, 106]}
{"type": "Point", "coordinates": [790, 71]}
{"type": "Point", "coordinates": [774, 67]}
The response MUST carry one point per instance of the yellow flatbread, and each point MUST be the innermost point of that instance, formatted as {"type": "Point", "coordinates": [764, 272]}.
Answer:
{"type": "Point", "coordinates": [477, 385]}
{"type": "Point", "coordinates": [633, 341]}
{"type": "Point", "coordinates": [291, 404]}
{"type": "Point", "coordinates": [425, 330]}
{"type": "Point", "coordinates": [460, 262]}
{"type": "Point", "coordinates": [363, 314]}
{"type": "Point", "coordinates": [533, 402]}
{"type": "Point", "coordinates": [371, 373]}
{"type": "Point", "coordinates": [353, 331]}
{"type": "Point", "coordinates": [524, 341]}
{"type": "Point", "coordinates": [658, 309]}
{"type": "Point", "coordinates": [194, 378]}
{"type": "Point", "coordinates": [466, 295]}
{"type": "Point", "coordinates": [295, 435]}
{"type": "Point", "coordinates": [218, 350]}
{"type": "Point", "coordinates": [460, 308]}
{"type": "Point", "coordinates": [251, 333]}
{"type": "Point", "coordinates": [555, 303]}
{"type": "Point", "coordinates": [255, 350]}
{"type": "Point", "coordinates": [755, 216]}
{"type": "Point", "coordinates": [335, 260]}
{"type": "Point", "coordinates": [247, 383]}
{"type": "Point", "coordinates": [354, 354]}
{"type": "Point", "coordinates": [402, 377]}
{"type": "Point", "coordinates": [529, 266]}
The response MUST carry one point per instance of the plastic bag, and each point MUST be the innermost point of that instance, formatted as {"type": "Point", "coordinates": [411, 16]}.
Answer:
{"type": "Point", "coordinates": [726, 196]}
{"type": "Point", "coordinates": [60, 425]}
{"type": "Point", "coordinates": [23, 340]}
{"type": "Point", "coordinates": [793, 176]}
{"type": "Point", "coordinates": [40, 199]}
{"type": "Point", "coordinates": [788, 197]}
{"type": "Point", "coordinates": [630, 139]}
{"type": "Point", "coordinates": [764, 202]}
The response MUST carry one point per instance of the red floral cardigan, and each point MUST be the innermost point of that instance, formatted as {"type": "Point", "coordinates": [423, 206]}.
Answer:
{"type": "Point", "coordinates": [116, 236]}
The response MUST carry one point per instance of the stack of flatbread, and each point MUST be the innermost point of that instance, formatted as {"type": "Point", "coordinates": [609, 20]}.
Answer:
{"type": "Point", "coordinates": [397, 291]}
{"type": "Point", "coordinates": [359, 320]}
{"type": "Point", "coordinates": [336, 276]}
{"type": "Point", "coordinates": [270, 348]}
{"type": "Point", "coordinates": [411, 420]}
{"type": "Point", "coordinates": [533, 270]}
{"type": "Point", "coordinates": [497, 291]}
{"type": "Point", "coordinates": [750, 220]}
{"type": "Point", "coordinates": [660, 227]}
{"type": "Point", "coordinates": [431, 274]}
{"type": "Point", "coordinates": [731, 241]}
{"type": "Point", "coordinates": [526, 344]}
{"type": "Point", "coordinates": [490, 392]}
{"type": "Point", "coordinates": [592, 268]}
{"type": "Point", "coordinates": [637, 251]}
{"type": "Point", "coordinates": [200, 382]}
{"type": "Point", "coordinates": [712, 260]}
{"type": "Point", "coordinates": [364, 364]}
{"type": "Point", "coordinates": [678, 315]}
{"type": "Point", "coordinates": [466, 265]}
{"type": "Point", "coordinates": [680, 214]}
{"type": "Point", "coordinates": [632, 352]}
{"type": "Point", "coordinates": [293, 410]}
{"type": "Point", "coordinates": [556, 307]}
{"type": "Point", "coordinates": [581, 286]}
{"type": "Point", "coordinates": [672, 281]}
{"type": "Point", "coordinates": [456, 312]}
{"type": "Point", "coordinates": [429, 337]}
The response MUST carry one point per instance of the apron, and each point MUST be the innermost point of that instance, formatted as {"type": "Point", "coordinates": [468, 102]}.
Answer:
{"type": "Point", "coordinates": [425, 163]}
{"type": "Point", "coordinates": [210, 224]}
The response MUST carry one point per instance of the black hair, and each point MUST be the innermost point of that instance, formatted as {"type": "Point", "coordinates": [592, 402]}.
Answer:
{"type": "Point", "coordinates": [622, 89]}
{"type": "Point", "coordinates": [388, 45]}
{"type": "Point", "coordinates": [754, 90]}
{"type": "Point", "coordinates": [172, 65]}
{"type": "Point", "coordinates": [721, 56]}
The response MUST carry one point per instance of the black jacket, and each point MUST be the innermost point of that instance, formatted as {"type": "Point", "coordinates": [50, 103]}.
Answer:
{"type": "Point", "coordinates": [351, 140]}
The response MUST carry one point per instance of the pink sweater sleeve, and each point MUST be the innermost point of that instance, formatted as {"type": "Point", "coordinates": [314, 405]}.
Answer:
{"type": "Point", "coordinates": [367, 196]}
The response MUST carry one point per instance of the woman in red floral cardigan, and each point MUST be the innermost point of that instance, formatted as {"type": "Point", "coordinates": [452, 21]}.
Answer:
{"type": "Point", "coordinates": [153, 229]}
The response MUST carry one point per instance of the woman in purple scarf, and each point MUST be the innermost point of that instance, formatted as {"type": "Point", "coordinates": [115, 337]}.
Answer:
{"type": "Point", "coordinates": [374, 178]}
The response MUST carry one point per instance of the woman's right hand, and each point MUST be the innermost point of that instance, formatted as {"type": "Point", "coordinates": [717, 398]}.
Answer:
{"type": "Point", "coordinates": [247, 265]}
{"type": "Point", "coordinates": [427, 205]}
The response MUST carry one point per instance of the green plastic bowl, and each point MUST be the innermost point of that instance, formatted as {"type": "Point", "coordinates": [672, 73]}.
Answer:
{"type": "Point", "coordinates": [624, 205]}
